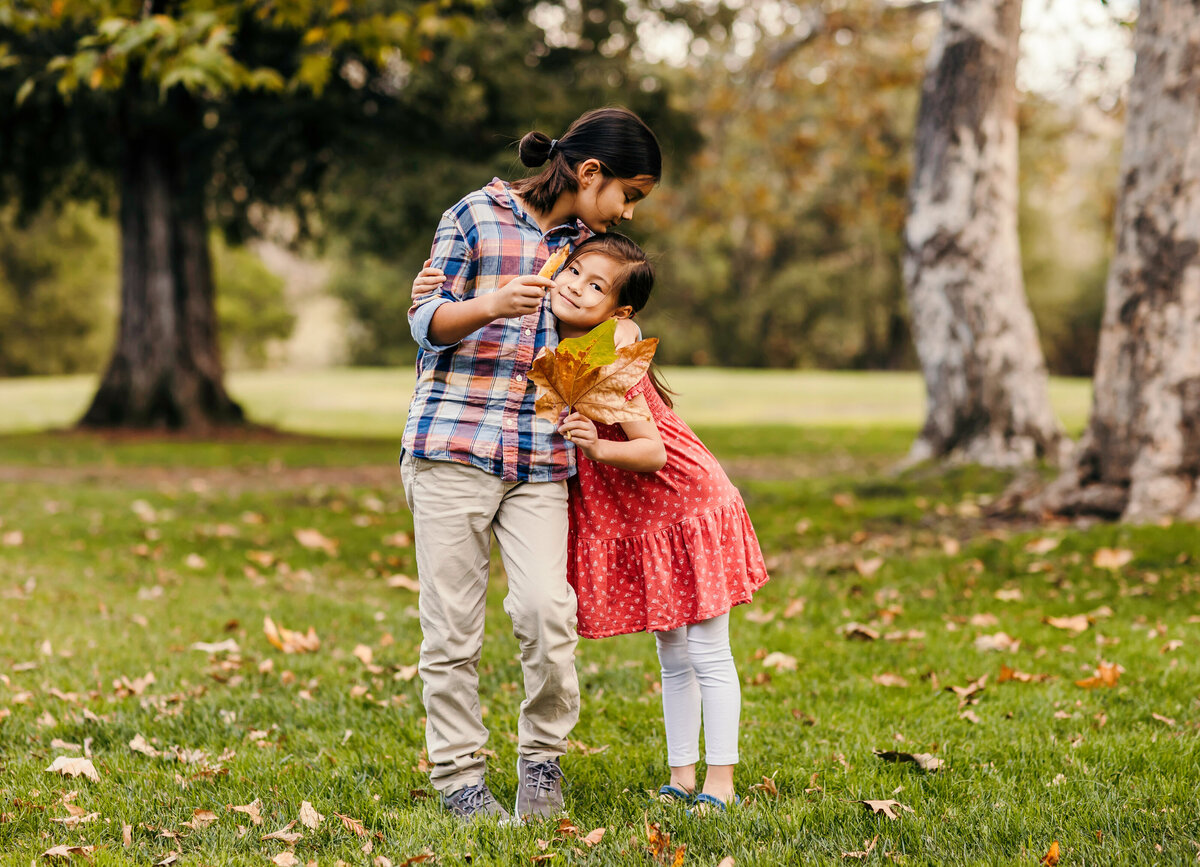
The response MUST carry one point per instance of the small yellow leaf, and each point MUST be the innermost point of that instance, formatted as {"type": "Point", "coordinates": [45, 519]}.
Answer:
{"type": "Point", "coordinates": [1050, 859]}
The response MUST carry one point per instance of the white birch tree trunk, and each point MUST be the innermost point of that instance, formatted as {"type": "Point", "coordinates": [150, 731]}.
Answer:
{"type": "Point", "coordinates": [1140, 457]}
{"type": "Point", "coordinates": [985, 376]}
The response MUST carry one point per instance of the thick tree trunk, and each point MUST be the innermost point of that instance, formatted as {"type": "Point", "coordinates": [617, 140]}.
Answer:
{"type": "Point", "coordinates": [166, 367]}
{"type": "Point", "coordinates": [984, 372]}
{"type": "Point", "coordinates": [1140, 457]}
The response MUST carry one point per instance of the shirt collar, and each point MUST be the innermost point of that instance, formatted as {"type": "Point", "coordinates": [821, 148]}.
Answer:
{"type": "Point", "coordinates": [500, 192]}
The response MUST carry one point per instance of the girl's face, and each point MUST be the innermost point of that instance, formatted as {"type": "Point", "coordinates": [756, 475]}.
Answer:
{"type": "Point", "coordinates": [585, 294]}
{"type": "Point", "coordinates": [603, 202]}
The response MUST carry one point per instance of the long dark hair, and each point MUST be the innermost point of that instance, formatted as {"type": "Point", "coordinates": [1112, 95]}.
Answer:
{"type": "Point", "coordinates": [615, 137]}
{"type": "Point", "coordinates": [633, 283]}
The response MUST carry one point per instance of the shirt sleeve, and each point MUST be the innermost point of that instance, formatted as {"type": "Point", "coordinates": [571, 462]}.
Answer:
{"type": "Point", "coordinates": [454, 255]}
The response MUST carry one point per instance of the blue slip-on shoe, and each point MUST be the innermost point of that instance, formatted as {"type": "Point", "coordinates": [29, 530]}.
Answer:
{"type": "Point", "coordinates": [704, 804]}
{"type": "Point", "coordinates": [669, 794]}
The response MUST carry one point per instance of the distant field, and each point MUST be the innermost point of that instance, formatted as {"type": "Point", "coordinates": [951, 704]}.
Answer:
{"type": "Point", "coordinates": [372, 401]}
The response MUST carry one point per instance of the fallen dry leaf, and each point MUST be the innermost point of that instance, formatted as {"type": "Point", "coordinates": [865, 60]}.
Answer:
{"type": "Point", "coordinates": [353, 825]}
{"type": "Point", "coordinates": [887, 678]}
{"type": "Point", "coordinates": [593, 837]}
{"type": "Point", "coordinates": [970, 716]}
{"type": "Point", "coordinates": [1107, 674]}
{"type": "Point", "coordinates": [286, 834]}
{"type": "Point", "coordinates": [70, 766]}
{"type": "Point", "coordinates": [1111, 558]}
{"type": "Point", "coordinates": [229, 645]}
{"type": "Point", "coordinates": [589, 375]}
{"type": "Point", "coordinates": [1042, 546]}
{"type": "Point", "coordinates": [140, 745]}
{"type": "Point", "coordinates": [966, 694]}
{"type": "Point", "coordinates": [794, 608]}
{"type": "Point", "coordinates": [1007, 674]}
{"type": "Point", "coordinates": [1009, 594]}
{"type": "Point", "coordinates": [1165, 720]}
{"type": "Point", "coordinates": [315, 540]}
{"type": "Point", "coordinates": [924, 761]}
{"type": "Point", "coordinates": [251, 810]}
{"type": "Point", "coordinates": [887, 808]}
{"type": "Point", "coordinates": [201, 819]}
{"type": "Point", "coordinates": [1077, 623]}
{"type": "Point", "coordinates": [285, 859]}
{"type": "Point", "coordinates": [859, 632]}
{"type": "Point", "coordinates": [868, 848]}
{"type": "Point", "coordinates": [728, 861]}
{"type": "Point", "coordinates": [1050, 859]}
{"type": "Point", "coordinates": [69, 851]}
{"type": "Point", "coordinates": [364, 654]}
{"type": "Point", "coordinates": [780, 661]}
{"type": "Point", "coordinates": [403, 582]}
{"type": "Point", "coordinates": [1001, 642]}
{"type": "Point", "coordinates": [309, 817]}
{"type": "Point", "coordinates": [289, 641]}
{"type": "Point", "coordinates": [867, 568]}
{"type": "Point", "coordinates": [416, 859]}
{"type": "Point", "coordinates": [76, 819]}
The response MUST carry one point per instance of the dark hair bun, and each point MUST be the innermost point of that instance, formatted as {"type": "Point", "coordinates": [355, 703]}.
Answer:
{"type": "Point", "coordinates": [535, 149]}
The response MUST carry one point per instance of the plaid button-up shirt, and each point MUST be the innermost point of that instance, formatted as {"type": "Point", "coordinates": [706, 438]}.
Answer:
{"type": "Point", "coordinates": [473, 402]}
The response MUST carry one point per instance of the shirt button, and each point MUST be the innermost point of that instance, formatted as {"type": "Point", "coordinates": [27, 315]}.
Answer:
{"type": "Point", "coordinates": [518, 377]}
{"type": "Point", "coordinates": [508, 422]}
{"type": "Point", "coordinates": [528, 332]}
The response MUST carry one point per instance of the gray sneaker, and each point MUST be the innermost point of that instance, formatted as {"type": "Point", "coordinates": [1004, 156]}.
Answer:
{"type": "Point", "coordinates": [472, 802]}
{"type": "Point", "coordinates": [539, 788]}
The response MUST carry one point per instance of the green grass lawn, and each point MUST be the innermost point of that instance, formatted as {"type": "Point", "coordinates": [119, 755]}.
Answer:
{"type": "Point", "coordinates": [373, 401]}
{"type": "Point", "coordinates": [117, 557]}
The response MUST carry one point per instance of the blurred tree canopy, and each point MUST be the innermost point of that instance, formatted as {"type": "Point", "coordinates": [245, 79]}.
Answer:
{"type": "Point", "coordinates": [787, 134]}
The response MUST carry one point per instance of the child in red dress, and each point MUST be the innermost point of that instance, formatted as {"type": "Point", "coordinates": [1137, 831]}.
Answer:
{"type": "Point", "coordinates": [660, 540]}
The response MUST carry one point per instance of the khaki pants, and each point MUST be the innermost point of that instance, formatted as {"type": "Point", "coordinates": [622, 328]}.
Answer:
{"type": "Point", "coordinates": [455, 510]}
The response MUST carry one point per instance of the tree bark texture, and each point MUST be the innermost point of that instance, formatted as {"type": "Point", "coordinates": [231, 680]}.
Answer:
{"type": "Point", "coordinates": [1140, 457]}
{"type": "Point", "coordinates": [985, 377]}
{"type": "Point", "coordinates": [166, 369]}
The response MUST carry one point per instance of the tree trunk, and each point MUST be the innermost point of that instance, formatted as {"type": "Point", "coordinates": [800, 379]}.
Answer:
{"type": "Point", "coordinates": [984, 373]}
{"type": "Point", "coordinates": [166, 367]}
{"type": "Point", "coordinates": [1140, 457]}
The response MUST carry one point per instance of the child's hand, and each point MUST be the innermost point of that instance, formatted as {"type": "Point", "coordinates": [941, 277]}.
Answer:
{"type": "Point", "coordinates": [627, 333]}
{"type": "Point", "coordinates": [580, 430]}
{"type": "Point", "coordinates": [519, 296]}
{"type": "Point", "coordinates": [428, 280]}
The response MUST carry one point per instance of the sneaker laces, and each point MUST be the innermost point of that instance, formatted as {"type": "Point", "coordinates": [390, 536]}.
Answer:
{"type": "Point", "coordinates": [473, 798]}
{"type": "Point", "coordinates": [542, 776]}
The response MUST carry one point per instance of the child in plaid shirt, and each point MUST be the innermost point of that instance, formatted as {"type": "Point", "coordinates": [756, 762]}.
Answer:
{"type": "Point", "coordinates": [474, 463]}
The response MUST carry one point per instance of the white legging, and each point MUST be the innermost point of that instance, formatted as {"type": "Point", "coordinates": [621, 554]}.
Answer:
{"type": "Point", "coordinates": [698, 670]}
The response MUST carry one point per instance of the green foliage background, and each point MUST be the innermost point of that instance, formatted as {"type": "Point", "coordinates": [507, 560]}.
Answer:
{"type": "Point", "coordinates": [777, 231]}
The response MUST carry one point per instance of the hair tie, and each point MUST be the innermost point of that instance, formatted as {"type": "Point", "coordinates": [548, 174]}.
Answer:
{"type": "Point", "coordinates": [553, 145]}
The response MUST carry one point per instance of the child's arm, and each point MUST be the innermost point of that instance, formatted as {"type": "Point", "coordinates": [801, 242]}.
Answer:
{"type": "Point", "coordinates": [518, 297]}
{"type": "Point", "coordinates": [643, 453]}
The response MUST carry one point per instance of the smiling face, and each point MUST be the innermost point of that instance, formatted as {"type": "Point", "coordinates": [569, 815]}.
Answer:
{"type": "Point", "coordinates": [604, 202]}
{"type": "Point", "coordinates": [585, 293]}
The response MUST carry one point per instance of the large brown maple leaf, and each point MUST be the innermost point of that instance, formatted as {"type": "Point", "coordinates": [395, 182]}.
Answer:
{"type": "Point", "coordinates": [587, 375]}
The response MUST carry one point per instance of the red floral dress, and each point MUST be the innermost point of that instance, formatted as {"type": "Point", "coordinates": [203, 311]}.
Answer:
{"type": "Point", "coordinates": [656, 551]}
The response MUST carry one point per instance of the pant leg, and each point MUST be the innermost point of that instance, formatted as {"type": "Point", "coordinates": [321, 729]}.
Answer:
{"type": "Point", "coordinates": [452, 505]}
{"type": "Point", "coordinates": [680, 698]}
{"type": "Point", "coordinates": [531, 529]}
{"type": "Point", "coordinates": [720, 691]}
